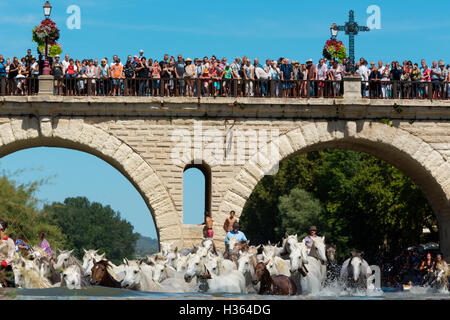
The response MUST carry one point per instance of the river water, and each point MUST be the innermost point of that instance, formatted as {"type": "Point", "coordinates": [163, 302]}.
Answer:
{"type": "Point", "coordinates": [101, 293]}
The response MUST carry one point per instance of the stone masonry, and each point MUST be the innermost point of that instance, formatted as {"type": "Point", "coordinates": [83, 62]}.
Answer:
{"type": "Point", "coordinates": [139, 136]}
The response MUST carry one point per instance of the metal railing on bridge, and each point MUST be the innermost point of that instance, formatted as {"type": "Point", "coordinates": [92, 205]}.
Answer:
{"type": "Point", "coordinates": [382, 89]}
{"type": "Point", "coordinates": [202, 87]}
{"type": "Point", "coordinates": [213, 87]}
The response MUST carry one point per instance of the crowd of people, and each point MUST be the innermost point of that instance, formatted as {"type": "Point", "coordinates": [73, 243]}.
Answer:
{"type": "Point", "coordinates": [411, 267]}
{"type": "Point", "coordinates": [212, 76]}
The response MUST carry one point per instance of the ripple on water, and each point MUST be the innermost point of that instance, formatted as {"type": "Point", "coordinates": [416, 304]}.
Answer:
{"type": "Point", "coordinates": [328, 293]}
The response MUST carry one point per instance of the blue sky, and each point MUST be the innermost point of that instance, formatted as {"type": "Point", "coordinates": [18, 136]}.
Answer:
{"type": "Point", "coordinates": [411, 30]}
{"type": "Point", "coordinates": [72, 173]}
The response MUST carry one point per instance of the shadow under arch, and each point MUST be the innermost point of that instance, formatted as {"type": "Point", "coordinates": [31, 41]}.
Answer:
{"type": "Point", "coordinates": [426, 167]}
{"type": "Point", "coordinates": [24, 133]}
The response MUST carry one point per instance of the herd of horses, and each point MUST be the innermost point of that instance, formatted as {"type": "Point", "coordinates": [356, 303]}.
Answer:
{"type": "Point", "coordinates": [289, 269]}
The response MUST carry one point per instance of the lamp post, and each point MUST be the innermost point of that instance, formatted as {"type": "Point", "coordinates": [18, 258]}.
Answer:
{"type": "Point", "coordinates": [334, 31]}
{"type": "Point", "coordinates": [47, 12]}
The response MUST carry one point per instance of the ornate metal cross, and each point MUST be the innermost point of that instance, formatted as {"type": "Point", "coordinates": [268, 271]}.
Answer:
{"type": "Point", "coordinates": [351, 29]}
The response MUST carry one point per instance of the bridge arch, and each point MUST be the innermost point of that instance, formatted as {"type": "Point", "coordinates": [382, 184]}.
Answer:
{"type": "Point", "coordinates": [407, 152]}
{"type": "Point", "coordinates": [74, 133]}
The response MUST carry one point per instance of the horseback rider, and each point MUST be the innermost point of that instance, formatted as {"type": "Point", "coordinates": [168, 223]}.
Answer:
{"type": "Point", "coordinates": [7, 249]}
{"type": "Point", "coordinates": [309, 239]}
{"type": "Point", "coordinates": [235, 234]}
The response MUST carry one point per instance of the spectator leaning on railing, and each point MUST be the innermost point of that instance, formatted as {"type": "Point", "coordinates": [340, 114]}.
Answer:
{"type": "Point", "coordinates": [216, 77]}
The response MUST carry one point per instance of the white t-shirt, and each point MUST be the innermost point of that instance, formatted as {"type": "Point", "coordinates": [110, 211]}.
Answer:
{"type": "Point", "coordinates": [364, 72]}
{"type": "Point", "coordinates": [34, 66]}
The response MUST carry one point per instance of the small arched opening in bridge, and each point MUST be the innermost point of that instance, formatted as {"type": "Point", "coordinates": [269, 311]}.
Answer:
{"type": "Point", "coordinates": [196, 193]}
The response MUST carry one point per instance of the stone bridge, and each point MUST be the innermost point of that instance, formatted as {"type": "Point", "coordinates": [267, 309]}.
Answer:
{"type": "Point", "coordinates": [138, 136]}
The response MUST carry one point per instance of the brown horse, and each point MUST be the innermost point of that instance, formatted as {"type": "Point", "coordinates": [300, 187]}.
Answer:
{"type": "Point", "coordinates": [101, 276]}
{"type": "Point", "coordinates": [273, 285]}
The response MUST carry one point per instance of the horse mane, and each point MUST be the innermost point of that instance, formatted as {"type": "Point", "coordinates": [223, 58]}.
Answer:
{"type": "Point", "coordinates": [37, 281]}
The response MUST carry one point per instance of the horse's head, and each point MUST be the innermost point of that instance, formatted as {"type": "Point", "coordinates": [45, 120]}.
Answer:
{"type": "Point", "coordinates": [355, 267]}
{"type": "Point", "coordinates": [62, 261]}
{"type": "Point", "coordinates": [159, 271]}
{"type": "Point", "coordinates": [170, 258]}
{"type": "Point", "coordinates": [44, 264]}
{"type": "Point", "coordinates": [98, 271]}
{"type": "Point", "coordinates": [291, 241]}
{"type": "Point", "coordinates": [88, 258]}
{"type": "Point", "coordinates": [260, 272]}
{"type": "Point", "coordinates": [296, 258]}
{"type": "Point", "coordinates": [231, 244]}
{"type": "Point", "coordinates": [202, 252]}
{"type": "Point", "coordinates": [213, 264]}
{"type": "Point", "coordinates": [195, 267]}
{"type": "Point", "coordinates": [133, 275]}
{"type": "Point", "coordinates": [331, 253]}
{"type": "Point", "coordinates": [71, 277]}
{"type": "Point", "coordinates": [207, 243]}
{"type": "Point", "coordinates": [182, 263]}
{"type": "Point", "coordinates": [245, 264]}
{"type": "Point", "coordinates": [166, 247]}
{"type": "Point", "coordinates": [319, 244]}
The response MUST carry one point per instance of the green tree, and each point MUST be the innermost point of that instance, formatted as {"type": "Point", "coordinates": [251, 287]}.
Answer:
{"type": "Point", "coordinates": [93, 226]}
{"type": "Point", "coordinates": [298, 211]}
{"type": "Point", "coordinates": [368, 204]}
{"type": "Point", "coordinates": [18, 207]}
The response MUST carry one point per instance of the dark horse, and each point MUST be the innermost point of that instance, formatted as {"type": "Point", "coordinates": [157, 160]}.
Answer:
{"type": "Point", "coordinates": [101, 276]}
{"type": "Point", "coordinates": [333, 269]}
{"type": "Point", "coordinates": [273, 285]}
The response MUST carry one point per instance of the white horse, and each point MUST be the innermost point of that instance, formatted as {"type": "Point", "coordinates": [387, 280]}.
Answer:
{"type": "Point", "coordinates": [318, 251]}
{"type": "Point", "coordinates": [166, 247]}
{"type": "Point", "coordinates": [246, 265]}
{"type": "Point", "coordinates": [270, 251]}
{"type": "Point", "coordinates": [306, 270]}
{"type": "Point", "coordinates": [181, 262]}
{"type": "Point", "coordinates": [276, 265]}
{"type": "Point", "coordinates": [72, 278]}
{"type": "Point", "coordinates": [66, 259]}
{"type": "Point", "coordinates": [169, 279]}
{"type": "Point", "coordinates": [288, 243]}
{"type": "Point", "coordinates": [27, 275]}
{"type": "Point", "coordinates": [88, 260]}
{"type": "Point", "coordinates": [356, 273]}
{"type": "Point", "coordinates": [232, 282]}
{"type": "Point", "coordinates": [139, 276]}
{"type": "Point", "coordinates": [219, 265]}
{"type": "Point", "coordinates": [47, 270]}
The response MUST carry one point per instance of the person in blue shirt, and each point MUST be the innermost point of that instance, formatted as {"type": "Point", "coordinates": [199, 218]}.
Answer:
{"type": "Point", "coordinates": [20, 244]}
{"type": "Point", "coordinates": [235, 234]}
